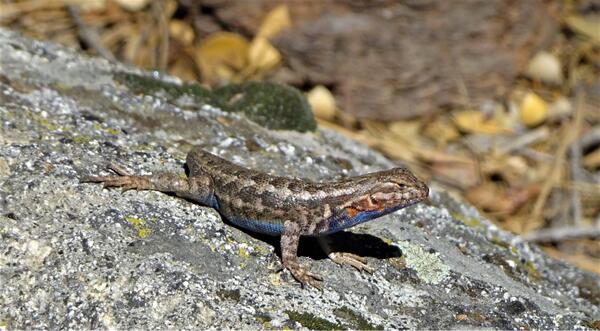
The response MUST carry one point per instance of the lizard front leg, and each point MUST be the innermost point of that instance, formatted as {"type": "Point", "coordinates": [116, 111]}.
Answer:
{"type": "Point", "coordinates": [289, 255]}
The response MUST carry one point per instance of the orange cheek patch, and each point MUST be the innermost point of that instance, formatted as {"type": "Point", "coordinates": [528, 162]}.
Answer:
{"type": "Point", "coordinates": [365, 204]}
{"type": "Point", "coordinates": [368, 205]}
{"type": "Point", "coordinates": [351, 211]}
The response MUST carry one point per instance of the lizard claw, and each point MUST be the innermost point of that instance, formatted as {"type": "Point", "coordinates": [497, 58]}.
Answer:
{"type": "Point", "coordinates": [358, 262]}
{"type": "Point", "coordinates": [118, 169]}
{"type": "Point", "coordinates": [306, 277]}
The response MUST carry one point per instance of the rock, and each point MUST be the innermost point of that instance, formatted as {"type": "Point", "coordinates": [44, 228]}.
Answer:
{"type": "Point", "coordinates": [75, 255]}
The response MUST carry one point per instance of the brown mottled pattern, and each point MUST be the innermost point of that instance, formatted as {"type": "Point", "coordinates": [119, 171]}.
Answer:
{"type": "Point", "coordinates": [280, 205]}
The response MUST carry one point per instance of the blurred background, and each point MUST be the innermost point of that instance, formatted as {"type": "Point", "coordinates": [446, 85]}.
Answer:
{"type": "Point", "coordinates": [496, 102]}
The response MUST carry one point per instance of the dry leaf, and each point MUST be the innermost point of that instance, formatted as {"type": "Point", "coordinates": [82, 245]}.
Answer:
{"type": "Point", "coordinates": [15, 9]}
{"type": "Point", "coordinates": [522, 223]}
{"type": "Point", "coordinates": [220, 55]}
{"type": "Point", "coordinates": [592, 160]}
{"type": "Point", "coordinates": [546, 68]}
{"type": "Point", "coordinates": [132, 5]}
{"type": "Point", "coordinates": [586, 26]}
{"type": "Point", "coordinates": [322, 102]}
{"type": "Point", "coordinates": [441, 131]}
{"type": "Point", "coordinates": [275, 21]}
{"type": "Point", "coordinates": [494, 199]}
{"type": "Point", "coordinates": [511, 169]}
{"type": "Point", "coordinates": [181, 31]}
{"type": "Point", "coordinates": [262, 56]}
{"type": "Point", "coordinates": [582, 260]}
{"type": "Point", "coordinates": [133, 44]}
{"type": "Point", "coordinates": [490, 198]}
{"type": "Point", "coordinates": [473, 121]}
{"type": "Point", "coordinates": [393, 148]}
{"type": "Point", "coordinates": [87, 5]}
{"type": "Point", "coordinates": [533, 110]}
{"type": "Point", "coordinates": [456, 170]}
{"type": "Point", "coordinates": [112, 37]}
{"type": "Point", "coordinates": [561, 107]}
{"type": "Point", "coordinates": [184, 68]}
{"type": "Point", "coordinates": [407, 130]}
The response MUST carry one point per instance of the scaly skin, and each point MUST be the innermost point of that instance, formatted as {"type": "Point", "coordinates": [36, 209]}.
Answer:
{"type": "Point", "coordinates": [284, 206]}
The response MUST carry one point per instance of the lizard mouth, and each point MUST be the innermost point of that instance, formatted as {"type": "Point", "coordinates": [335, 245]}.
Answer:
{"type": "Point", "coordinates": [414, 196]}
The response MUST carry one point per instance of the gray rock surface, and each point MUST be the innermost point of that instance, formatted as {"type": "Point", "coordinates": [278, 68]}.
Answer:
{"type": "Point", "coordinates": [75, 255]}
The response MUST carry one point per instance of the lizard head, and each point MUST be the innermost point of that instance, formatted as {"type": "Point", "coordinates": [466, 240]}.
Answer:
{"type": "Point", "coordinates": [398, 186]}
{"type": "Point", "coordinates": [388, 191]}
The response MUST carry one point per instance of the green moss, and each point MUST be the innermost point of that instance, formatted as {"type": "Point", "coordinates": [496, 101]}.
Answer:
{"type": "Point", "coordinates": [148, 85]}
{"type": "Point", "coordinates": [514, 250]}
{"type": "Point", "coordinates": [46, 124]}
{"type": "Point", "coordinates": [233, 295]}
{"type": "Point", "coordinates": [312, 322]}
{"type": "Point", "coordinates": [271, 105]}
{"type": "Point", "coordinates": [265, 321]}
{"type": "Point", "coordinates": [498, 242]}
{"type": "Point", "coordinates": [357, 322]}
{"type": "Point", "coordinates": [274, 106]}
{"type": "Point", "coordinates": [532, 273]}
{"type": "Point", "coordinates": [111, 131]}
{"type": "Point", "coordinates": [140, 225]}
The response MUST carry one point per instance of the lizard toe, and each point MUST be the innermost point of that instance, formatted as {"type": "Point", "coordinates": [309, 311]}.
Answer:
{"type": "Point", "coordinates": [305, 276]}
{"type": "Point", "coordinates": [119, 170]}
{"type": "Point", "coordinates": [358, 262]}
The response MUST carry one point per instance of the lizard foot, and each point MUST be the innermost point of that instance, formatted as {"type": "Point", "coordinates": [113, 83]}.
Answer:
{"type": "Point", "coordinates": [305, 276]}
{"type": "Point", "coordinates": [123, 180]}
{"type": "Point", "coordinates": [354, 260]}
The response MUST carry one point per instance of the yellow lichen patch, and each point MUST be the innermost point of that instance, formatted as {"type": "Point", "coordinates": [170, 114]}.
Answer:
{"type": "Point", "coordinates": [140, 225]}
{"type": "Point", "coordinates": [242, 252]}
{"type": "Point", "coordinates": [113, 131]}
{"type": "Point", "coordinates": [48, 167]}
{"type": "Point", "coordinates": [469, 221]}
{"type": "Point", "coordinates": [81, 139]}
{"type": "Point", "coordinates": [261, 250]}
{"type": "Point", "coordinates": [4, 324]}
{"type": "Point", "coordinates": [275, 278]}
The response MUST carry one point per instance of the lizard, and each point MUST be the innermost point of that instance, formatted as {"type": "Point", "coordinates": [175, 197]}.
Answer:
{"type": "Point", "coordinates": [282, 206]}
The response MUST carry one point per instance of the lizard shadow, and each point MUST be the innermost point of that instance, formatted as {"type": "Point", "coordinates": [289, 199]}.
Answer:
{"type": "Point", "coordinates": [361, 244]}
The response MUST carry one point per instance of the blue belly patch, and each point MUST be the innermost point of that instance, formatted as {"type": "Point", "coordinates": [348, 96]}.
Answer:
{"type": "Point", "coordinates": [343, 221]}
{"type": "Point", "coordinates": [274, 228]}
